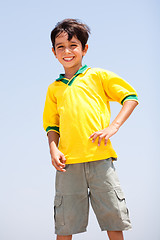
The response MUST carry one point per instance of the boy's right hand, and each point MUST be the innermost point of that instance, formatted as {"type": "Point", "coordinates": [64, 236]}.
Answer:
{"type": "Point", "coordinates": [57, 157]}
{"type": "Point", "coordinates": [58, 160]}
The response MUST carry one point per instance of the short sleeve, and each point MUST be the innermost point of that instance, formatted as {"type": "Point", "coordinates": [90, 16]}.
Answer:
{"type": "Point", "coordinates": [116, 88]}
{"type": "Point", "coordinates": [50, 114]}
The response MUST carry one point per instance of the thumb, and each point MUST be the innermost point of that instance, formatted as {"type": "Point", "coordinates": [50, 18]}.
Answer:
{"type": "Point", "coordinates": [63, 159]}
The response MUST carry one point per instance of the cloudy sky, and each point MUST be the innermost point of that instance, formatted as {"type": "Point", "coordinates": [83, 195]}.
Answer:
{"type": "Point", "coordinates": [124, 39]}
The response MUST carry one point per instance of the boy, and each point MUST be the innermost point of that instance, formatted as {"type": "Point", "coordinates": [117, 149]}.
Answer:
{"type": "Point", "coordinates": [77, 112]}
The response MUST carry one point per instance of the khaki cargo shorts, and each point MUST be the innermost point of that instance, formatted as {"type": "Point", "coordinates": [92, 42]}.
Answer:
{"type": "Point", "coordinates": [94, 182]}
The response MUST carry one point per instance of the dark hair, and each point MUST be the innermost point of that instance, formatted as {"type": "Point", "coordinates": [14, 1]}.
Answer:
{"type": "Point", "coordinates": [72, 27]}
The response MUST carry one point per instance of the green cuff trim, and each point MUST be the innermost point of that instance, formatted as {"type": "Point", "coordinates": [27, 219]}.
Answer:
{"type": "Point", "coordinates": [52, 128]}
{"type": "Point", "coordinates": [130, 97]}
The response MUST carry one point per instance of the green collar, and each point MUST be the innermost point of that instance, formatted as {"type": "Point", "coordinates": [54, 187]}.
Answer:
{"type": "Point", "coordinates": [69, 81]}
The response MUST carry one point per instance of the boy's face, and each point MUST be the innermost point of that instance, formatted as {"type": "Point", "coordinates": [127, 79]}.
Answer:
{"type": "Point", "coordinates": [69, 53]}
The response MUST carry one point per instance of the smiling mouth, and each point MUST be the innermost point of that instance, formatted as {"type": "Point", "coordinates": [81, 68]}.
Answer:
{"type": "Point", "coordinates": [68, 59]}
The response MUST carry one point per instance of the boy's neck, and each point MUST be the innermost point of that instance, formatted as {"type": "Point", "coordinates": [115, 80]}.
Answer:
{"type": "Point", "coordinates": [70, 72]}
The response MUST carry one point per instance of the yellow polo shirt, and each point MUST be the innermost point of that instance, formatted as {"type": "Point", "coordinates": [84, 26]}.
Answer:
{"type": "Point", "coordinates": [77, 107]}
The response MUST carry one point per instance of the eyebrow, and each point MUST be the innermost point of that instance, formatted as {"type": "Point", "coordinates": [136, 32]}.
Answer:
{"type": "Point", "coordinates": [73, 42]}
{"type": "Point", "coordinates": [58, 44]}
{"type": "Point", "coordinates": [63, 43]}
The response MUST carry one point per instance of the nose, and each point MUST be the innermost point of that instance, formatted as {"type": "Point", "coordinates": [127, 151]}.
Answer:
{"type": "Point", "coordinates": [67, 50]}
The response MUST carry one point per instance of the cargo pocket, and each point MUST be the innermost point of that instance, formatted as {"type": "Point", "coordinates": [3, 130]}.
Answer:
{"type": "Point", "coordinates": [121, 204]}
{"type": "Point", "coordinates": [58, 210]}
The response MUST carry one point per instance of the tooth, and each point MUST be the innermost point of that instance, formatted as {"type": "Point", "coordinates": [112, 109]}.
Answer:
{"type": "Point", "coordinates": [68, 58]}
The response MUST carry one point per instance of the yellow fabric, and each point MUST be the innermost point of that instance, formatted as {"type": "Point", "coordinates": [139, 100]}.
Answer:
{"type": "Point", "coordinates": [81, 109]}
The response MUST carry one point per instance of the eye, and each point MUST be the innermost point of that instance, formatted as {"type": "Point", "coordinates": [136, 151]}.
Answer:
{"type": "Point", "coordinates": [73, 45]}
{"type": "Point", "coordinates": [59, 47]}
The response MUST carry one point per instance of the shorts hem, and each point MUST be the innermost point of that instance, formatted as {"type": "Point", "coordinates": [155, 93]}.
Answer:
{"type": "Point", "coordinates": [116, 229]}
{"type": "Point", "coordinates": [71, 233]}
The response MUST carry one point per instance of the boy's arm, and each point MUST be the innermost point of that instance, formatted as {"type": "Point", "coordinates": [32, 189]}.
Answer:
{"type": "Point", "coordinates": [57, 157]}
{"type": "Point", "coordinates": [123, 115]}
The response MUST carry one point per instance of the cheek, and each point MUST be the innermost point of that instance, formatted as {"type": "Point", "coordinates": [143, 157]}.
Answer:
{"type": "Point", "coordinates": [58, 55]}
{"type": "Point", "coordinates": [78, 52]}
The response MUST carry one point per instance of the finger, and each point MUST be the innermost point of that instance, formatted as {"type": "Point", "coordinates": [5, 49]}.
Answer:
{"type": "Point", "coordinates": [92, 135]}
{"type": "Point", "coordinates": [105, 141]}
{"type": "Point", "coordinates": [96, 135]}
{"type": "Point", "coordinates": [62, 170]}
{"type": "Point", "coordinates": [55, 165]}
{"type": "Point", "coordinates": [63, 159]}
{"type": "Point", "coordinates": [58, 168]}
{"type": "Point", "coordinates": [58, 165]}
{"type": "Point", "coordinates": [100, 139]}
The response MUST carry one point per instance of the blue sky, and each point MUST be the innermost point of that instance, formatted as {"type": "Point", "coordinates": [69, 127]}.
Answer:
{"type": "Point", "coordinates": [124, 39]}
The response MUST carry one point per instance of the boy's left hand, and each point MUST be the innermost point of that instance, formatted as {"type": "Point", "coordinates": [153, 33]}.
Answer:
{"type": "Point", "coordinates": [106, 133]}
{"type": "Point", "coordinates": [122, 116]}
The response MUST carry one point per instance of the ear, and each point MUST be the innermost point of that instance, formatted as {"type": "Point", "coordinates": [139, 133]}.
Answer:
{"type": "Point", "coordinates": [85, 50]}
{"type": "Point", "coordinates": [54, 52]}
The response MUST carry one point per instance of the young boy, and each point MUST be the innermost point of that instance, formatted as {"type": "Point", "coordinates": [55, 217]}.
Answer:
{"type": "Point", "coordinates": [77, 113]}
